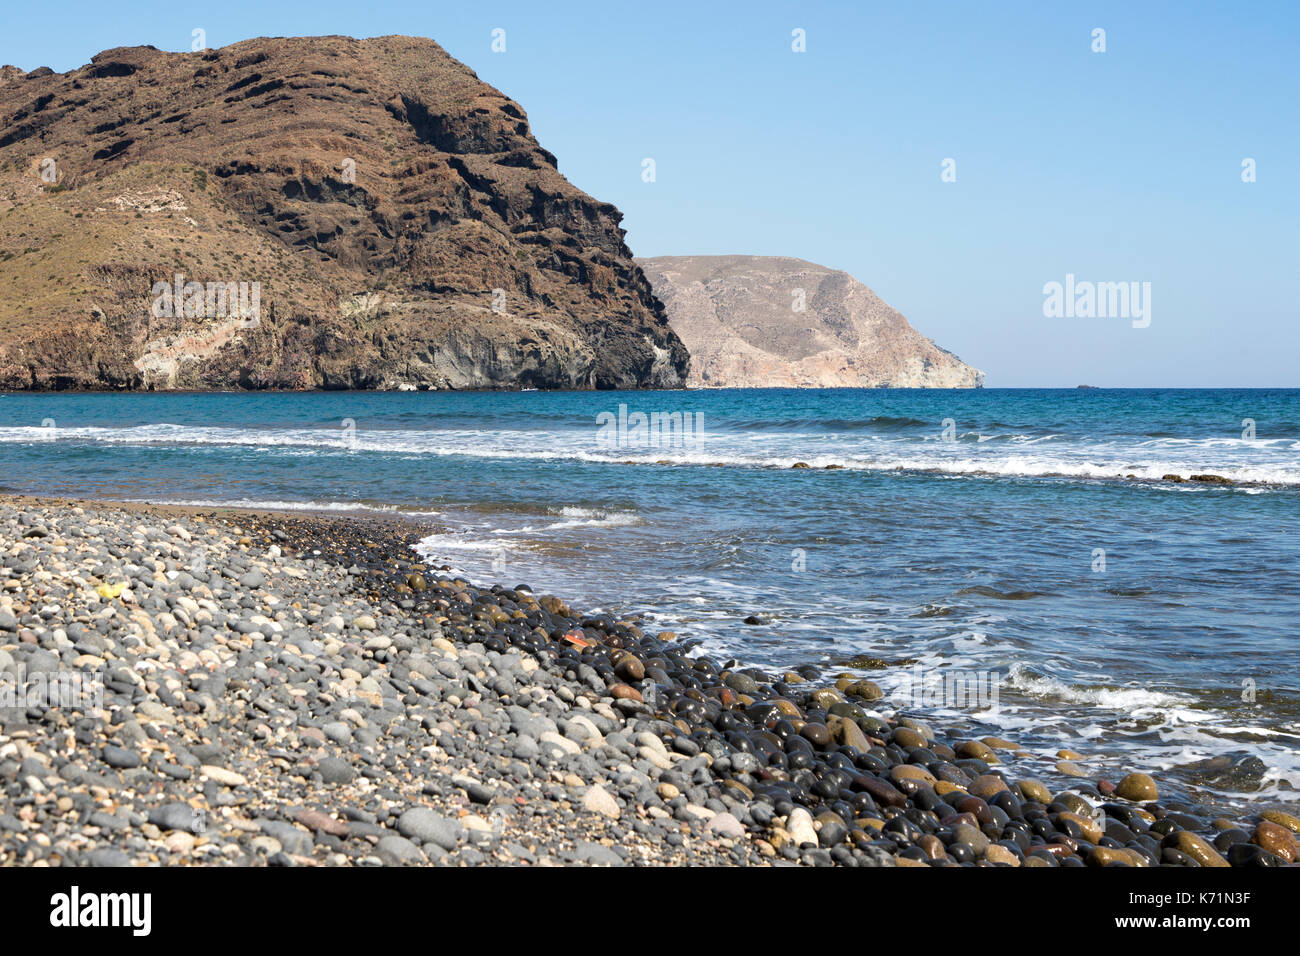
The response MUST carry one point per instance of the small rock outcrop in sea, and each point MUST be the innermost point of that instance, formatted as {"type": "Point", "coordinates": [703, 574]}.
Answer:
{"type": "Point", "coordinates": [768, 321]}
{"type": "Point", "coordinates": [382, 217]}
{"type": "Point", "coordinates": [303, 690]}
{"type": "Point", "coordinates": [1203, 479]}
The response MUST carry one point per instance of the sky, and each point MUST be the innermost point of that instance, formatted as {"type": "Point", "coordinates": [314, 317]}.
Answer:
{"type": "Point", "coordinates": [1114, 165]}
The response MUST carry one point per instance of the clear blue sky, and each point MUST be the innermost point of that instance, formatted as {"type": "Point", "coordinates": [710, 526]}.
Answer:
{"type": "Point", "coordinates": [1115, 166]}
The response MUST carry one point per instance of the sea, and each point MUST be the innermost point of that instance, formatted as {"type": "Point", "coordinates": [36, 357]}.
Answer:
{"type": "Point", "coordinates": [1015, 562]}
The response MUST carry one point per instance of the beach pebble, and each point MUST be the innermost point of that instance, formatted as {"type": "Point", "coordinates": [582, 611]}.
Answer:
{"type": "Point", "coordinates": [726, 824]}
{"type": "Point", "coordinates": [1277, 840]}
{"type": "Point", "coordinates": [1196, 847]}
{"type": "Point", "coordinates": [335, 770]}
{"type": "Point", "coordinates": [179, 816]}
{"type": "Point", "coordinates": [423, 824]}
{"type": "Point", "coordinates": [227, 778]}
{"type": "Point", "coordinates": [1283, 819]}
{"type": "Point", "coordinates": [1138, 787]}
{"type": "Point", "coordinates": [396, 850]}
{"type": "Point", "coordinates": [598, 800]}
{"type": "Point", "coordinates": [361, 706]}
{"type": "Point", "coordinates": [596, 855]}
{"type": "Point", "coordinates": [799, 825]}
{"type": "Point", "coordinates": [121, 757]}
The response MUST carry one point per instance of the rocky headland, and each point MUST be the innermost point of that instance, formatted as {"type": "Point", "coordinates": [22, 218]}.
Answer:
{"type": "Point", "coordinates": [396, 219]}
{"type": "Point", "coordinates": [771, 321]}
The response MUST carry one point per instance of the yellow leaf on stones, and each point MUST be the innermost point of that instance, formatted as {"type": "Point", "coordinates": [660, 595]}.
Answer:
{"type": "Point", "coordinates": [110, 591]}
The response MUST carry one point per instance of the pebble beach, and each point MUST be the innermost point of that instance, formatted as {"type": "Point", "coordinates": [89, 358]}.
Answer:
{"type": "Point", "coordinates": [190, 686]}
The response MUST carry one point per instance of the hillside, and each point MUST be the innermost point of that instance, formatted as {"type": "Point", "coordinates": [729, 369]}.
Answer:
{"type": "Point", "coordinates": [767, 321]}
{"type": "Point", "coordinates": [402, 226]}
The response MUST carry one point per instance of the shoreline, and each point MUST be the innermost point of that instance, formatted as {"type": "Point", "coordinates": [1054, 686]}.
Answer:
{"type": "Point", "coordinates": [299, 688]}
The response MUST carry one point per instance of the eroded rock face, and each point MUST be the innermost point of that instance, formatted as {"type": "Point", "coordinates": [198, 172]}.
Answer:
{"type": "Point", "coordinates": [404, 227]}
{"type": "Point", "coordinates": [767, 321]}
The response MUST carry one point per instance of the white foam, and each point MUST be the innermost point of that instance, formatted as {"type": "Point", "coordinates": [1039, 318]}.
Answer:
{"type": "Point", "coordinates": [1134, 700]}
{"type": "Point", "coordinates": [984, 456]}
{"type": "Point", "coordinates": [592, 518]}
{"type": "Point", "coordinates": [430, 546]}
{"type": "Point", "coordinates": [259, 504]}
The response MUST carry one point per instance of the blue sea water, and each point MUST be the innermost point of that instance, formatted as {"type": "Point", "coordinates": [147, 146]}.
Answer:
{"type": "Point", "coordinates": [1022, 535]}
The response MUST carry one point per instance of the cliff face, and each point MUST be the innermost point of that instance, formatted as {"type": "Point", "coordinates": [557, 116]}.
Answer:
{"type": "Point", "coordinates": [385, 219]}
{"type": "Point", "coordinates": [760, 321]}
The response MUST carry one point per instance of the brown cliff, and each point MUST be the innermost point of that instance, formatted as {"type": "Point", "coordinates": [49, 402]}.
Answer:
{"type": "Point", "coordinates": [403, 226]}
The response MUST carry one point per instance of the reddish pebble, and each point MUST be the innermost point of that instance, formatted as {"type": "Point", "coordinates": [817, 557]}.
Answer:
{"type": "Point", "coordinates": [315, 820]}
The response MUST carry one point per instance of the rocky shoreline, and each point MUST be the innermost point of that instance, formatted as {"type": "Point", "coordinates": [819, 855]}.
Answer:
{"type": "Point", "coordinates": [190, 686]}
